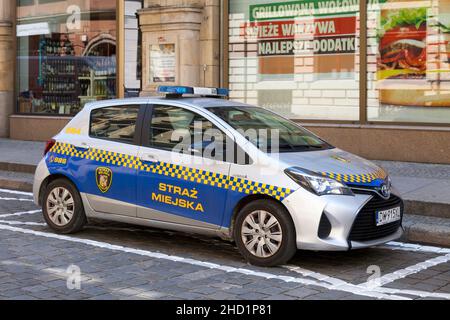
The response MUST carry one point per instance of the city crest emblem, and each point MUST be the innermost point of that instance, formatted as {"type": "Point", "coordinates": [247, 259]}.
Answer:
{"type": "Point", "coordinates": [103, 177]}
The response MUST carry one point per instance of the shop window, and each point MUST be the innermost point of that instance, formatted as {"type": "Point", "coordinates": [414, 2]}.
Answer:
{"type": "Point", "coordinates": [408, 73]}
{"type": "Point", "coordinates": [276, 100]}
{"type": "Point", "coordinates": [300, 58]}
{"type": "Point", "coordinates": [66, 55]}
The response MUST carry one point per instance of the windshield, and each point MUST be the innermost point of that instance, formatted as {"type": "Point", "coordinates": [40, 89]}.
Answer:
{"type": "Point", "coordinates": [269, 131]}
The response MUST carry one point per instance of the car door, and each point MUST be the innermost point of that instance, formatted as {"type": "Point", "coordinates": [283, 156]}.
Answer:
{"type": "Point", "coordinates": [108, 168]}
{"type": "Point", "coordinates": [182, 180]}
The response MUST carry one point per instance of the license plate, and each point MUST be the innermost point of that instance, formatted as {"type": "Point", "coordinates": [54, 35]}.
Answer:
{"type": "Point", "coordinates": [388, 216]}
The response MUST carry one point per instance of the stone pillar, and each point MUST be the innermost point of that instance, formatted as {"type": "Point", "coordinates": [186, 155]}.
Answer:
{"type": "Point", "coordinates": [193, 26]}
{"type": "Point", "coordinates": [172, 23]}
{"type": "Point", "coordinates": [210, 44]}
{"type": "Point", "coordinates": [7, 62]}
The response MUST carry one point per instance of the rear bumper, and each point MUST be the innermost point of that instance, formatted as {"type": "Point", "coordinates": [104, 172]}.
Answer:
{"type": "Point", "coordinates": [40, 175]}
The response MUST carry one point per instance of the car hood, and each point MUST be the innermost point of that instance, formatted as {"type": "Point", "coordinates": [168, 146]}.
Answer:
{"type": "Point", "coordinates": [337, 164]}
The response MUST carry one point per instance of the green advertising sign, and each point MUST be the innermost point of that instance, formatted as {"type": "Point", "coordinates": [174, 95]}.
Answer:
{"type": "Point", "coordinates": [299, 8]}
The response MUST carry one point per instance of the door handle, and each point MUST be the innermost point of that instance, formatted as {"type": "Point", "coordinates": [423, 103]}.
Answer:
{"type": "Point", "coordinates": [84, 145]}
{"type": "Point", "coordinates": [194, 151]}
{"type": "Point", "coordinates": [148, 157]}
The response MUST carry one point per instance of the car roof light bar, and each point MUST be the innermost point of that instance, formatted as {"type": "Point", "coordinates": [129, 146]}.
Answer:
{"type": "Point", "coordinates": [181, 90]}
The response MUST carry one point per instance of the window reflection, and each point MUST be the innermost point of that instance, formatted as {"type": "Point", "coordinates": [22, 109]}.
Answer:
{"type": "Point", "coordinates": [299, 58]}
{"type": "Point", "coordinates": [66, 54]}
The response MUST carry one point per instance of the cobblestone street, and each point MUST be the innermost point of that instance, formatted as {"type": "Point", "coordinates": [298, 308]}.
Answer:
{"type": "Point", "coordinates": [117, 261]}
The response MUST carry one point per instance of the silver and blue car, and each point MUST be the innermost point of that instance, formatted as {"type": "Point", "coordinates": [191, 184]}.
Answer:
{"type": "Point", "coordinates": [193, 161]}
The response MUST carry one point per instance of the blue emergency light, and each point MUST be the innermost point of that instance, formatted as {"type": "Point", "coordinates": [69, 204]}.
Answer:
{"type": "Point", "coordinates": [180, 90]}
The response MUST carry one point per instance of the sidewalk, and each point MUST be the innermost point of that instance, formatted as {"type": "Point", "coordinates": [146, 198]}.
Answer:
{"type": "Point", "coordinates": [424, 187]}
{"type": "Point", "coordinates": [20, 156]}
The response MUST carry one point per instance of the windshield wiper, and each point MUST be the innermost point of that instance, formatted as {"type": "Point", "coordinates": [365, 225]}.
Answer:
{"type": "Point", "coordinates": [295, 148]}
{"type": "Point", "coordinates": [310, 146]}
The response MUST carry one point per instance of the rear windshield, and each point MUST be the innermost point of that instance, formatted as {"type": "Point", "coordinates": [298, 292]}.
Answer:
{"type": "Point", "coordinates": [269, 131]}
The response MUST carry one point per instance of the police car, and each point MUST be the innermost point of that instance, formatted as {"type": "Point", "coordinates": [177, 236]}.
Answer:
{"type": "Point", "coordinates": [191, 160]}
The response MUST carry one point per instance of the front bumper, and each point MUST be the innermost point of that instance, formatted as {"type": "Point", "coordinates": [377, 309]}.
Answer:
{"type": "Point", "coordinates": [307, 209]}
{"type": "Point", "coordinates": [371, 243]}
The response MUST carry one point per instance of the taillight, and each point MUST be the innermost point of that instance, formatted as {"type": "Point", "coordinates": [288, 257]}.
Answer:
{"type": "Point", "coordinates": [49, 145]}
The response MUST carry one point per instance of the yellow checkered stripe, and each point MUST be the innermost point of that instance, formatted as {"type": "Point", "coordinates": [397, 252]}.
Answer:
{"type": "Point", "coordinates": [252, 187]}
{"type": "Point", "coordinates": [356, 178]}
{"type": "Point", "coordinates": [107, 157]}
{"type": "Point", "coordinates": [173, 171]}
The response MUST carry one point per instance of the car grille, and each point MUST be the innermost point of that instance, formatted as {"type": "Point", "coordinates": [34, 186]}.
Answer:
{"type": "Point", "coordinates": [364, 227]}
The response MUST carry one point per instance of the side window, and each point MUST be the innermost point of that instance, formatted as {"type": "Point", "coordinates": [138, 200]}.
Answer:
{"type": "Point", "coordinates": [180, 130]}
{"type": "Point", "coordinates": [117, 123]}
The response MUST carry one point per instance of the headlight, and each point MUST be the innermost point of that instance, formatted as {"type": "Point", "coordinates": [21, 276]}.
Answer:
{"type": "Point", "coordinates": [316, 183]}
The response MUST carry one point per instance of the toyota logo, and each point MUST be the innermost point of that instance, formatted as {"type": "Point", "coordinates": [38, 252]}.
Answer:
{"type": "Point", "coordinates": [385, 191]}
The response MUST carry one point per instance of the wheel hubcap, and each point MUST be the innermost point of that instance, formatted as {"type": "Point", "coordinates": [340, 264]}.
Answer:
{"type": "Point", "coordinates": [60, 206]}
{"type": "Point", "coordinates": [261, 233]}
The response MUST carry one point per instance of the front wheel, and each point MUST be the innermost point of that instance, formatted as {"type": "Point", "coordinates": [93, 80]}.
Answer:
{"type": "Point", "coordinates": [265, 234]}
{"type": "Point", "coordinates": [63, 208]}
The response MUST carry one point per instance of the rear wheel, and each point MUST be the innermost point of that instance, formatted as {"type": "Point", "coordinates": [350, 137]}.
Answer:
{"type": "Point", "coordinates": [63, 208]}
{"type": "Point", "coordinates": [265, 234]}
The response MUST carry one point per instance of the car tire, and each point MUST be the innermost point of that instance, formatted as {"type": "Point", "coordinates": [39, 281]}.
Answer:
{"type": "Point", "coordinates": [62, 207]}
{"type": "Point", "coordinates": [266, 243]}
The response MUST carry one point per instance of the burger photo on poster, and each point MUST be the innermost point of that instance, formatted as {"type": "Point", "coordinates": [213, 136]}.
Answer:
{"type": "Point", "coordinates": [407, 74]}
{"type": "Point", "coordinates": [402, 44]}
{"type": "Point", "coordinates": [444, 25]}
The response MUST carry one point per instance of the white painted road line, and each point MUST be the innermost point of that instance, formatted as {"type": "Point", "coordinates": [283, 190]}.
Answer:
{"type": "Point", "coordinates": [417, 293]}
{"type": "Point", "coordinates": [18, 214]}
{"type": "Point", "coordinates": [403, 273]}
{"type": "Point", "coordinates": [414, 247]}
{"type": "Point", "coordinates": [198, 263]}
{"type": "Point", "coordinates": [16, 192]}
{"type": "Point", "coordinates": [338, 283]}
{"type": "Point", "coordinates": [21, 223]}
{"type": "Point", "coordinates": [16, 199]}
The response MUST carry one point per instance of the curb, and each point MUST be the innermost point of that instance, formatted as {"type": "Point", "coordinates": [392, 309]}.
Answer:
{"type": "Point", "coordinates": [431, 209]}
{"type": "Point", "coordinates": [17, 167]}
{"type": "Point", "coordinates": [428, 234]}
{"type": "Point", "coordinates": [426, 230]}
{"type": "Point", "coordinates": [16, 185]}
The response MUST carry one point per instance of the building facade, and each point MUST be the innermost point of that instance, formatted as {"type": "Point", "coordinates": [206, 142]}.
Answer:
{"type": "Point", "coordinates": [371, 77]}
